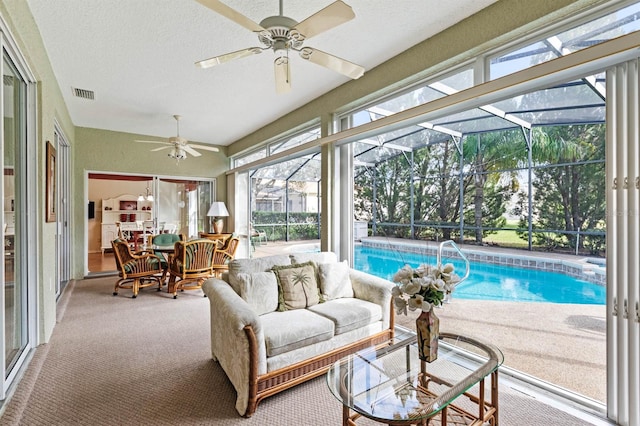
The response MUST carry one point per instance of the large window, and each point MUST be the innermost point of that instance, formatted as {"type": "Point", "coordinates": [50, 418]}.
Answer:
{"type": "Point", "coordinates": [285, 197]}
{"type": "Point", "coordinates": [612, 25]}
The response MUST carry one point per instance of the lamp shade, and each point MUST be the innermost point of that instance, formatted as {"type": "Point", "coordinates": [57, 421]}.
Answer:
{"type": "Point", "coordinates": [218, 209]}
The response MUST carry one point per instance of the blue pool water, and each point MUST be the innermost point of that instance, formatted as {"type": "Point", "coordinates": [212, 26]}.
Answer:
{"type": "Point", "coordinates": [487, 281]}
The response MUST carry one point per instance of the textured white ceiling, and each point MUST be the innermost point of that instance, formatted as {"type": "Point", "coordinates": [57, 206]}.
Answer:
{"type": "Point", "coordinates": [138, 57]}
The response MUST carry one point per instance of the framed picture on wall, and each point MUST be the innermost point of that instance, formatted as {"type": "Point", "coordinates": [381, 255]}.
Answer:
{"type": "Point", "coordinates": [50, 201]}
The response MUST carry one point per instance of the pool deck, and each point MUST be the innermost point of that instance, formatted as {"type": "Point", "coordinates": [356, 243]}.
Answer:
{"type": "Point", "coordinates": [563, 344]}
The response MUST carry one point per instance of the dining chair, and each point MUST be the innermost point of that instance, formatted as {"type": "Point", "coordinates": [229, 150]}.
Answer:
{"type": "Point", "coordinates": [191, 263]}
{"type": "Point", "coordinates": [135, 271]}
{"type": "Point", "coordinates": [124, 235]}
{"type": "Point", "coordinates": [148, 229]}
{"type": "Point", "coordinates": [164, 240]}
{"type": "Point", "coordinates": [224, 255]}
{"type": "Point", "coordinates": [170, 228]}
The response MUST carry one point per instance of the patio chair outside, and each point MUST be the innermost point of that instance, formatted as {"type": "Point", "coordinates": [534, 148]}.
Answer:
{"type": "Point", "coordinates": [257, 236]}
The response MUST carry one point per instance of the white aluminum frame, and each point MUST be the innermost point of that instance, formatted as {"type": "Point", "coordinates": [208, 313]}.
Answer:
{"type": "Point", "coordinates": [32, 233]}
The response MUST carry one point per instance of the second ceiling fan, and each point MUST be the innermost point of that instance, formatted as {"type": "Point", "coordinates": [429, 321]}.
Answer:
{"type": "Point", "coordinates": [282, 34]}
{"type": "Point", "coordinates": [180, 146]}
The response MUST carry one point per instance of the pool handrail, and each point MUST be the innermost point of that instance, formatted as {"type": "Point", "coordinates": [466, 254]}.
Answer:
{"type": "Point", "coordinates": [455, 246]}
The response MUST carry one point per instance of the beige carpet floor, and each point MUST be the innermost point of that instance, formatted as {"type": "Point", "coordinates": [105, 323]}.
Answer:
{"type": "Point", "coordinates": [146, 361]}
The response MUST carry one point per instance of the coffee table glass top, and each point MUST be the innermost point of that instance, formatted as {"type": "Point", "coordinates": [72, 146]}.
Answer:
{"type": "Point", "coordinates": [391, 384]}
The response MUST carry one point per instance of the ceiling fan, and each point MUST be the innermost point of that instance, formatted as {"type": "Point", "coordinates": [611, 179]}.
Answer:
{"type": "Point", "coordinates": [180, 146]}
{"type": "Point", "coordinates": [282, 34]}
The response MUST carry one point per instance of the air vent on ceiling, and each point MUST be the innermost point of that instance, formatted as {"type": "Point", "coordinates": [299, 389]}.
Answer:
{"type": "Point", "coordinates": [83, 93]}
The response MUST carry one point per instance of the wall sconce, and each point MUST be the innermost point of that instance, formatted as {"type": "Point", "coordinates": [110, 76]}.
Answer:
{"type": "Point", "coordinates": [218, 210]}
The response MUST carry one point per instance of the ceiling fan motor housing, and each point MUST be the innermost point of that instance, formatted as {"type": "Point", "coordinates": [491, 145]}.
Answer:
{"type": "Point", "coordinates": [278, 33]}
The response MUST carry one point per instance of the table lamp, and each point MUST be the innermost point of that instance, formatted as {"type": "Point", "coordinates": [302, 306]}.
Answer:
{"type": "Point", "coordinates": [218, 210]}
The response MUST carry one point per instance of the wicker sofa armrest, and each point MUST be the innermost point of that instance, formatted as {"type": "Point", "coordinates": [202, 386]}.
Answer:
{"type": "Point", "coordinates": [231, 345]}
{"type": "Point", "coordinates": [373, 289]}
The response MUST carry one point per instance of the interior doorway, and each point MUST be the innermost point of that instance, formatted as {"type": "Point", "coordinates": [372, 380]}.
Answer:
{"type": "Point", "coordinates": [118, 201]}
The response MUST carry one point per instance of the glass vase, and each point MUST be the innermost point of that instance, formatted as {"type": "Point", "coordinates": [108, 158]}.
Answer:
{"type": "Point", "coordinates": [428, 330]}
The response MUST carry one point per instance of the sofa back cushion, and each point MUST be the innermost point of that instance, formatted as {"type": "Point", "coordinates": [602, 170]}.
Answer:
{"type": "Point", "coordinates": [297, 286]}
{"type": "Point", "coordinates": [249, 266]}
{"type": "Point", "coordinates": [317, 258]}
{"type": "Point", "coordinates": [259, 290]}
{"type": "Point", "coordinates": [334, 280]}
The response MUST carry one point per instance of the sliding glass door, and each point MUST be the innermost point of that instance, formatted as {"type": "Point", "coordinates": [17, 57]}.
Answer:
{"type": "Point", "coordinates": [18, 319]}
{"type": "Point", "coordinates": [175, 204]}
{"type": "Point", "coordinates": [182, 205]}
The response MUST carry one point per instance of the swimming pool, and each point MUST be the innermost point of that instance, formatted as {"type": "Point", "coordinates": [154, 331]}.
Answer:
{"type": "Point", "coordinates": [488, 281]}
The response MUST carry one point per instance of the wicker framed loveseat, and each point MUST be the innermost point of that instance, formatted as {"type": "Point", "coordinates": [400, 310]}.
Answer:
{"type": "Point", "coordinates": [267, 340]}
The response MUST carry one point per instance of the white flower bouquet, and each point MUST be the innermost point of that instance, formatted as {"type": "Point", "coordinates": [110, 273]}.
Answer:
{"type": "Point", "coordinates": [423, 287]}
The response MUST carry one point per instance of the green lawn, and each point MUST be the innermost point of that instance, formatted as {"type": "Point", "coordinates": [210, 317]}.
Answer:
{"type": "Point", "coordinates": [506, 238]}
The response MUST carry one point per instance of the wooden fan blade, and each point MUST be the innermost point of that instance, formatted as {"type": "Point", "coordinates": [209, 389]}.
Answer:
{"type": "Point", "coordinates": [191, 151]}
{"type": "Point", "coordinates": [205, 147]}
{"type": "Point", "coordinates": [330, 17]}
{"type": "Point", "coordinates": [332, 62]}
{"type": "Point", "coordinates": [166, 143]}
{"type": "Point", "coordinates": [283, 74]}
{"type": "Point", "coordinates": [217, 60]}
{"type": "Point", "coordinates": [161, 148]}
{"type": "Point", "coordinates": [232, 14]}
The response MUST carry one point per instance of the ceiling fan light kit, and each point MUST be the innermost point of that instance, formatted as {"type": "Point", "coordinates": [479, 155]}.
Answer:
{"type": "Point", "coordinates": [177, 153]}
{"type": "Point", "coordinates": [282, 34]}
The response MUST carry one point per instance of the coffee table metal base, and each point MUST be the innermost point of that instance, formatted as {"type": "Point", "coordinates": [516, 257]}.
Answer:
{"type": "Point", "coordinates": [451, 415]}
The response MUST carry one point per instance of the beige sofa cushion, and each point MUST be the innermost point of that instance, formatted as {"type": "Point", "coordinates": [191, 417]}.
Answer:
{"type": "Point", "coordinates": [249, 266]}
{"type": "Point", "coordinates": [297, 286]}
{"type": "Point", "coordinates": [260, 291]}
{"type": "Point", "coordinates": [334, 280]}
{"type": "Point", "coordinates": [289, 330]}
{"type": "Point", "coordinates": [348, 314]}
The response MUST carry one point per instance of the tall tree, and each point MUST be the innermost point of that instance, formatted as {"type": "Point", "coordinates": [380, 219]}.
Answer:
{"type": "Point", "coordinates": [493, 155]}
{"type": "Point", "coordinates": [391, 180]}
{"type": "Point", "coordinates": [569, 196]}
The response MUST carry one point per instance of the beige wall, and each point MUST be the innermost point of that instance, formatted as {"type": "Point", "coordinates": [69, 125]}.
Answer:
{"type": "Point", "coordinates": [50, 107]}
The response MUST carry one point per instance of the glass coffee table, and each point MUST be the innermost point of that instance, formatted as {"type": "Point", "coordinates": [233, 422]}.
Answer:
{"type": "Point", "coordinates": [390, 384]}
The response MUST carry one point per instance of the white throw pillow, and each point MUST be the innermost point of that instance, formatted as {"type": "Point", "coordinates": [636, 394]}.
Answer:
{"type": "Point", "coordinates": [334, 280]}
{"type": "Point", "coordinates": [260, 291]}
{"type": "Point", "coordinates": [317, 258]}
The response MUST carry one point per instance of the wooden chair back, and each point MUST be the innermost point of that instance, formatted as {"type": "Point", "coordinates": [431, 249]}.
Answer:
{"type": "Point", "coordinates": [122, 252]}
{"type": "Point", "coordinates": [227, 252]}
{"type": "Point", "coordinates": [130, 264]}
{"type": "Point", "coordinates": [193, 259]}
{"type": "Point", "coordinates": [224, 255]}
{"type": "Point", "coordinates": [136, 271]}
